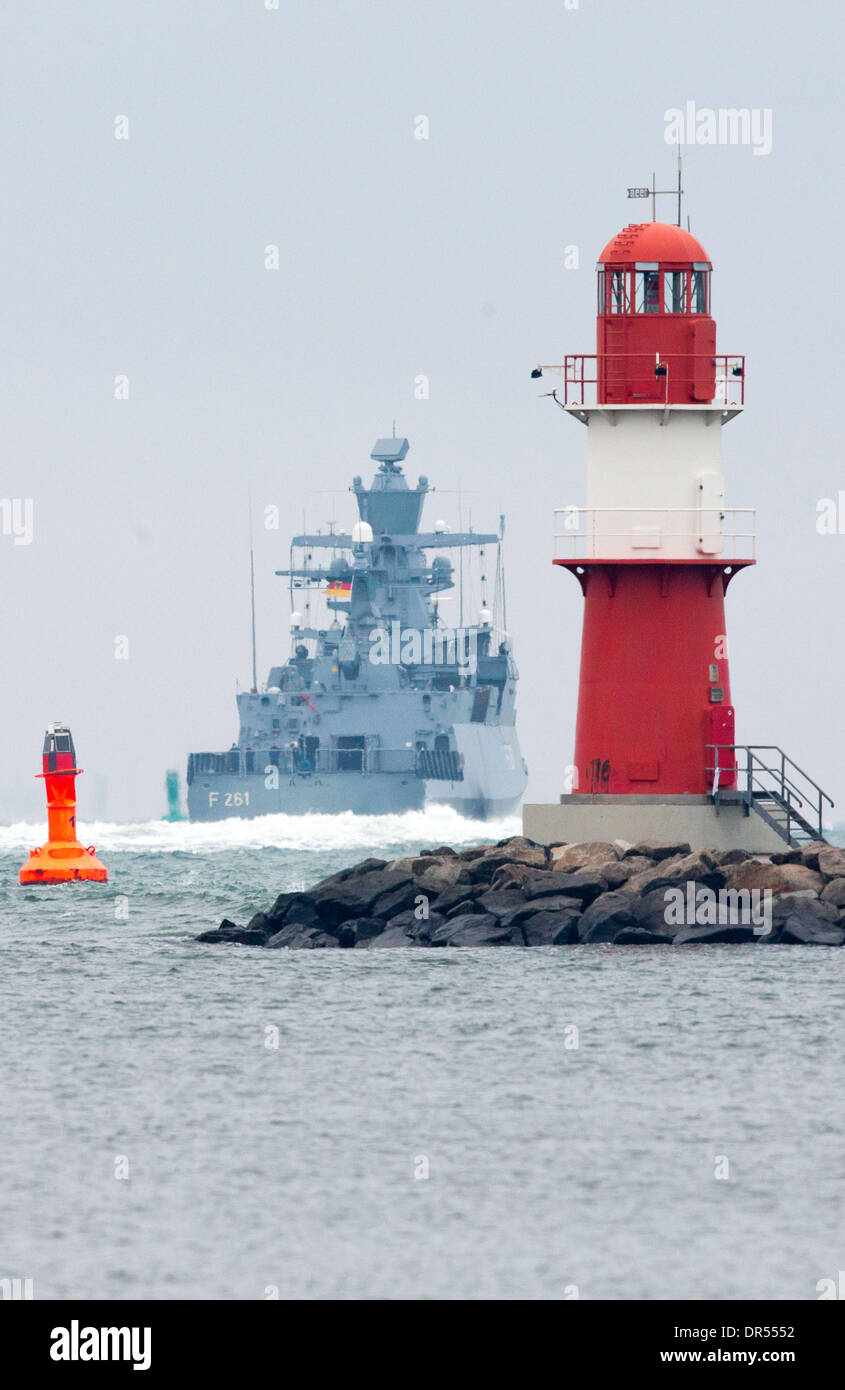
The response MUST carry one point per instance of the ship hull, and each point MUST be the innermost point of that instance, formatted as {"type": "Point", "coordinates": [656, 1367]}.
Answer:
{"type": "Point", "coordinates": [224, 797]}
{"type": "Point", "coordinates": [492, 785]}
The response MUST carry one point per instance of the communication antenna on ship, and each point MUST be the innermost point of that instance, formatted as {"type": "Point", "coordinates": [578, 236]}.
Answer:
{"type": "Point", "coordinates": [654, 192]}
{"type": "Point", "coordinates": [252, 596]}
{"type": "Point", "coordinates": [461, 556]}
{"type": "Point", "coordinates": [500, 576]}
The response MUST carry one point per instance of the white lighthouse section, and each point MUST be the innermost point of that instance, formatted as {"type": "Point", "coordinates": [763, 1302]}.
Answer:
{"type": "Point", "coordinates": [655, 488]}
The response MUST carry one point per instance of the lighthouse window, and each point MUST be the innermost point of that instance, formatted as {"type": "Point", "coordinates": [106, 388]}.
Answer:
{"type": "Point", "coordinates": [698, 290]}
{"type": "Point", "coordinates": [673, 291]}
{"type": "Point", "coordinates": [648, 292]}
{"type": "Point", "coordinates": [618, 297]}
{"type": "Point", "coordinates": [600, 279]}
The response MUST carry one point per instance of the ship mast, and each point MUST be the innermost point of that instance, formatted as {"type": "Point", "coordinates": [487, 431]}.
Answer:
{"type": "Point", "coordinates": [252, 598]}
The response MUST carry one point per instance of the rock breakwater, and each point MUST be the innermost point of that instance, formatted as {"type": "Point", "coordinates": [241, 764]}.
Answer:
{"type": "Point", "coordinates": [517, 893]}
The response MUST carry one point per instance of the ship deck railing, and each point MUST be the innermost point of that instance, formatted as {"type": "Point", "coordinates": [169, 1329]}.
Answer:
{"type": "Point", "coordinates": [438, 764]}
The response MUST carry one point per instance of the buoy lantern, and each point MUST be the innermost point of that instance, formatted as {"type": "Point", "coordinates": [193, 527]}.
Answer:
{"type": "Point", "coordinates": [63, 857]}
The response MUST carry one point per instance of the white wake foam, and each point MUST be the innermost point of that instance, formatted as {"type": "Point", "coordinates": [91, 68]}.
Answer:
{"type": "Point", "coordinates": [346, 831]}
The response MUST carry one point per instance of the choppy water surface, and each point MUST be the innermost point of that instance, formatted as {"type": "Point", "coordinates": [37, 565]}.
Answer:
{"type": "Point", "coordinates": [296, 1167]}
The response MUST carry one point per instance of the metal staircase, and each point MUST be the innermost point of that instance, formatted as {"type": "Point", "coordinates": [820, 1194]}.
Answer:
{"type": "Point", "coordinates": [768, 782]}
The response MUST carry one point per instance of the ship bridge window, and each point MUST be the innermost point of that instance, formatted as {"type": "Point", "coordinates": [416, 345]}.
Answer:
{"type": "Point", "coordinates": [618, 292]}
{"type": "Point", "coordinates": [648, 288]}
{"type": "Point", "coordinates": [674, 291]}
{"type": "Point", "coordinates": [700, 290]}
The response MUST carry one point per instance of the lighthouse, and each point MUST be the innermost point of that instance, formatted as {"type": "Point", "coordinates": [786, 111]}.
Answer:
{"type": "Point", "coordinates": [655, 551]}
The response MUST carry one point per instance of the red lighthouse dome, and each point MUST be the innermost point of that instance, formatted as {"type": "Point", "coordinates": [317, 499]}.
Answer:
{"type": "Point", "coordinates": [655, 337]}
{"type": "Point", "coordinates": [653, 241]}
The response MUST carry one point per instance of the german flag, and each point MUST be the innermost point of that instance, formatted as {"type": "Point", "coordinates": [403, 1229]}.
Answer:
{"type": "Point", "coordinates": [338, 588]}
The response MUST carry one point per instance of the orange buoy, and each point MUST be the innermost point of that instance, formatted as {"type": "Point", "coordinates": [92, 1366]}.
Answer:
{"type": "Point", "coordinates": [63, 857]}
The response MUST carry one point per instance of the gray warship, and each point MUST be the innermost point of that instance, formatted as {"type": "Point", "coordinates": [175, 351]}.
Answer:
{"type": "Point", "coordinates": [385, 708]}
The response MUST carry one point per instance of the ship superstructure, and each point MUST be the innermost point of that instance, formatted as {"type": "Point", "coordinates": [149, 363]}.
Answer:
{"type": "Point", "coordinates": [388, 706]}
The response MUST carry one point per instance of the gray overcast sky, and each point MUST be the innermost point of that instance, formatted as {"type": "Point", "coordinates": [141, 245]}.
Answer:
{"type": "Point", "coordinates": [399, 257]}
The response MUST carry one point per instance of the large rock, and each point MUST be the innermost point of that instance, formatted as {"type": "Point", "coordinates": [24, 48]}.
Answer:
{"type": "Point", "coordinates": [715, 936]}
{"type": "Point", "coordinates": [832, 862]}
{"type": "Point", "coordinates": [556, 902]}
{"type": "Point", "coordinates": [419, 929]}
{"type": "Point", "coordinates": [515, 851]}
{"type": "Point", "coordinates": [651, 911]}
{"type": "Point", "coordinates": [358, 930]}
{"type": "Point", "coordinates": [466, 907]}
{"type": "Point", "coordinates": [723, 857]}
{"type": "Point", "coordinates": [607, 917]}
{"type": "Point", "coordinates": [405, 865]}
{"type": "Point", "coordinates": [458, 893]}
{"type": "Point", "coordinates": [511, 875]}
{"type": "Point", "coordinates": [834, 893]}
{"type": "Point", "coordinates": [780, 878]}
{"type": "Point", "coordinates": [802, 918]}
{"type": "Point", "coordinates": [615, 875]}
{"type": "Point", "coordinates": [299, 908]}
{"type": "Point", "coordinates": [230, 934]}
{"type": "Point", "coordinates": [550, 928]}
{"type": "Point", "coordinates": [355, 896]}
{"type": "Point", "coordinates": [806, 902]}
{"type": "Point", "coordinates": [436, 875]}
{"type": "Point", "coordinates": [389, 939]}
{"type": "Point", "coordinates": [364, 866]}
{"type": "Point", "coordinates": [658, 849]}
{"type": "Point", "coordinates": [810, 852]}
{"type": "Point", "coordinates": [399, 899]}
{"type": "Point", "coordinates": [296, 937]}
{"type": "Point", "coordinates": [699, 868]}
{"type": "Point", "coordinates": [502, 903]}
{"type": "Point", "coordinates": [267, 926]}
{"type": "Point", "coordinates": [798, 931]}
{"type": "Point", "coordinates": [477, 930]}
{"type": "Point", "coordinates": [638, 936]}
{"type": "Point", "coordinates": [581, 856]}
{"type": "Point", "coordinates": [582, 884]}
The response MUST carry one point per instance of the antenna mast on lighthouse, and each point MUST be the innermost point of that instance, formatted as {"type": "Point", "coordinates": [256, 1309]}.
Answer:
{"type": "Point", "coordinates": [654, 192]}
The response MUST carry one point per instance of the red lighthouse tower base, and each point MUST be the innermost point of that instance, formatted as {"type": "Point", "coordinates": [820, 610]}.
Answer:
{"type": "Point", "coordinates": [655, 686]}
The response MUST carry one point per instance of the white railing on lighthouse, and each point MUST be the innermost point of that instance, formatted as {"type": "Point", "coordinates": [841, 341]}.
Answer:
{"type": "Point", "coordinates": [670, 533]}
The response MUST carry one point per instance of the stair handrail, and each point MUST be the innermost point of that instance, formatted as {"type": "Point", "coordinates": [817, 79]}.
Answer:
{"type": "Point", "coordinates": [789, 793]}
{"type": "Point", "coordinates": [781, 776]}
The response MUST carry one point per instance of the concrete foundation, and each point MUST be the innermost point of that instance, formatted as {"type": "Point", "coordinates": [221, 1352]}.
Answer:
{"type": "Point", "coordinates": [578, 818]}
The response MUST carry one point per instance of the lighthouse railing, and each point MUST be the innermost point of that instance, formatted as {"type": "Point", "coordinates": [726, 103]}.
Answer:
{"type": "Point", "coordinates": [723, 534]}
{"type": "Point", "coordinates": [580, 371]}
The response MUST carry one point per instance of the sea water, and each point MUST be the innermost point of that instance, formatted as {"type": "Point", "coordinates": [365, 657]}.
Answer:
{"type": "Point", "coordinates": [188, 1121]}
